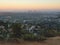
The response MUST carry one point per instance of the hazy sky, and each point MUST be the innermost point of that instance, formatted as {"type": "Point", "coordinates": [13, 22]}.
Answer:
{"type": "Point", "coordinates": [29, 4]}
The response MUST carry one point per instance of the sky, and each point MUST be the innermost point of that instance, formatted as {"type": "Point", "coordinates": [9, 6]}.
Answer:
{"type": "Point", "coordinates": [29, 4]}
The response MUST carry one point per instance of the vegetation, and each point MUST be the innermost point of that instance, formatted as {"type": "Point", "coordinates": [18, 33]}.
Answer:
{"type": "Point", "coordinates": [29, 32]}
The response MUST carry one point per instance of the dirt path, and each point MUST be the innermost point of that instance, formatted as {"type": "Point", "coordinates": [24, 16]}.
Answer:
{"type": "Point", "coordinates": [50, 41]}
{"type": "Point", "coordinates": [53, 41]}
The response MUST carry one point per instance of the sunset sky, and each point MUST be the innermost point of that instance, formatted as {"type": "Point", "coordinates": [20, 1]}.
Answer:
{"type": "Point", "coordinates": [29, 4]}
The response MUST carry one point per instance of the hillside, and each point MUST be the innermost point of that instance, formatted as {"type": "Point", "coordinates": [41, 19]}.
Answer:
{"type": "Point", "coordinates": [49, 41]}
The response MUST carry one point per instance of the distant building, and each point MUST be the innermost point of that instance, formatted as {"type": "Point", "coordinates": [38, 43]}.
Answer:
{"type": "Point", "coordinates": [2, 26]}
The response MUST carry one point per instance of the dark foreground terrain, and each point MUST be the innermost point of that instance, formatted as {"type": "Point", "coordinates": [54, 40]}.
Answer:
{"type": "Point", "coordinates": [49, 41]}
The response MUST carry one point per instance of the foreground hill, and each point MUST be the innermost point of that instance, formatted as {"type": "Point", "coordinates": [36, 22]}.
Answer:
{"type": "Point", "coordinates": [49, 41]}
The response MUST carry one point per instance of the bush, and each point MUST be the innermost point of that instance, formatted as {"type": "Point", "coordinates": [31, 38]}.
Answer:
{"type": "Point", "coordinates": [28, 37]}
{"type": "Point", "coordinates": [58, 33]}
{"type": "Point", "coordinates": [32, 37]}
{"type": "Point", "coordinates": [50, 33]}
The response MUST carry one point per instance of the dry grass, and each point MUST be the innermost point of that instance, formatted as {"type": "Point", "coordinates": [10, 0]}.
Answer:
{"type": "Point", "coordinates": [50, 41]}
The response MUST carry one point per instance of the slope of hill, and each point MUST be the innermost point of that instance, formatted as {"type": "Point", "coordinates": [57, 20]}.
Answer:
{"type": "Point", "coordinates": [49, 41]}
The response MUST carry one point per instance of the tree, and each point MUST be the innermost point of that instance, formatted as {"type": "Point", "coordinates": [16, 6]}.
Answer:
{"type": "Point", "coordinates": [16, 29]}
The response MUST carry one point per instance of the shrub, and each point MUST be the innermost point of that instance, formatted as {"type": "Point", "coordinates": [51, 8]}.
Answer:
{"type": "Point", "coordinates": [32, 37]}
{"type": "Point", "coordinates": [50, 33]}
